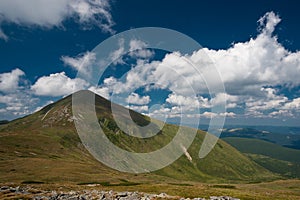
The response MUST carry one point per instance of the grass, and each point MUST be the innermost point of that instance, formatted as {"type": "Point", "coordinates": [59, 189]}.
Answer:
{"type": "Point", "coordinates": [32, 182]}
{"type": "Point", "coordinates": [256, 146]}
{"type": "Point", "coordinates": [50, 151]}
{"type": "Point", "coordinates": [45, 146]}
{"type": "Point", "coordinates": [224, 186]}
{"type": "Point", "coordinates": [275, 158]}
{"type": "Point", "coordinates": [123, 182]}
{"type": "Point", "coordinates": [285, 168]}
{"type": "Point", "coordinates": [279, 190]}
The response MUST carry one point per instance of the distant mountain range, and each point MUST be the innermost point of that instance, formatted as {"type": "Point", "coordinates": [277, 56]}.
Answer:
{"type": "Point", "coordinates": [281, 135]}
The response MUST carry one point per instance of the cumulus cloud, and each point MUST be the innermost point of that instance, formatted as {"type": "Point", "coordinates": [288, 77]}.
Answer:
{"type": "Point", "coordinates": [117, 55]}
{"type": "Point", "coordinates": [250, 71]}
{"type": "Point", "coordinates": [16, 104]}
{"type": "Point", "coordinates": [139, 108]}
{"type": "Point", "coordinates": [248, 66]}
{"type": "Point", "coordinates": [213, 115]}
{"type": "Point", "coordinates": [57, 84]}
{"type": "Point", "coordinates": [102, 91]}
{"type": "Point", "coordinates": [268, 23]}
{"type": "Point", "coordinates": [9, 81]}
{"type": "Point", "coordinates": [138, 49]}
{"type": "Point", "coordinates": [294, 104]}
{"type": "Point", "coordinates": [15, 100]}
{"type": "Point", "coordinates": [18, 96]}
{"type": "Point", "coordinates": [48, 14]}
{"type": "Point", "coordinates": [271, 101]}
{"type": "Point", "coordinates": [172, 72]}
{"type": "Point", "coordinates": [5, 99]}
{"type": "Point", "coordinates": [81, 63]}
{"type": "Point", "coordinates": [231, 100]}
{"type": "Point", "coordinates": [190, 106]}
{"type": "Point", "coordinates": [164, 112]}
{"type": "Point", "coordinates": [182, 100]}
{"type": "Point", "coordinates": [281, 113]}
{"type": "Point", "coordinates": [135, 98]}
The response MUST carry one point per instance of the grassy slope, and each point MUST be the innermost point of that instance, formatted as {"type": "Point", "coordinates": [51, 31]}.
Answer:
{"type": "Point", "coordinates": [278, 159]}
{"type": "Point", "coordinates": [256, 146]}
{"type": "Point", "coordinates": [45, 147]}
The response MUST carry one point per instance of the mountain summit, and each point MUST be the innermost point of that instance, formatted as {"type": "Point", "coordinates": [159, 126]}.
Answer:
{"type": "Point", "coordinates": [45, 147]}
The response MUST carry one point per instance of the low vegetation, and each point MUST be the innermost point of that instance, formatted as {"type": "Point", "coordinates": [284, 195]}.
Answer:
{"type": "Point", "coordinates": [281, 160]}
{"type": "Point", "coordinates": [44, 149]}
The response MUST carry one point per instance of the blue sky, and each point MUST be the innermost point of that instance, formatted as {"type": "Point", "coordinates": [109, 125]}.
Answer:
{"type": "Point", "coordinates": [254, 46]}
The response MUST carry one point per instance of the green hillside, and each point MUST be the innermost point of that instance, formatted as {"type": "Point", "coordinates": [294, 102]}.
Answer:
{"type": "Point", "coordinates": [256, 146]}
{"type": "Point", "coordinates": [278, 159]}
{"type": "Point", "coordinates": [45, 147]}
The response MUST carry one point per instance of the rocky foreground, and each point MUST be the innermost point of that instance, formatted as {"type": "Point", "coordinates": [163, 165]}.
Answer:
{"type": "Point", "coordinates": [27, 192]}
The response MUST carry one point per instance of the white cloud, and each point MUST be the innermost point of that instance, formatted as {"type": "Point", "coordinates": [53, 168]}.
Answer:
{"type": "Point", "coordinates": [57, 84]}
{"type": "Point", "coordinates": [138, 49]}
{"type": "Point", "coordinates": [281, 113]}
{"type": "Point", "coordinates": [248, 66]}
{"type": "Point", "coordinates": [250, 70]}
{"type": "Point", "coordinates": [136, 44]}
{"type": "Point", "coordinates": [15, 100]}
{"type": "Point", "coordinates": [175, 99]}
{"type": "Point", "coordinates": [209, 114]}
{"type": "Point", "coordinates": [6, 99]}
{"type": "Point", "coordinates": [9, 81]}
{"type": "Point", "coordinates": [48, 14]}
{"type": "Point", "coordinates": [294, 104]}
{"type": "Point", "coordinates": [93, 12]}
{"type": "Point", "coordinates": [143, 108]}
{"type": "Point", "coordinates": [134, 79]}
{"type": "Point", "coordinates": [81, 63]}
{"type": "Point", "coordinates": [135, 98]}
{"type": "Point", "coordinates": [245, 68]}
{"type": "Point", "coordinates": [213, 115]}
{"type": "Point", "coordinates": [187, 103]}
{"type": "Point", "coordinates": [267, 102]}
{"type": "Point", "coordinates": [102, 91]}
{"type": "Point", "coordinates": [17, 95]}
{"type": "Point", "coordinates": [172, 73]}
{"type": "Point", "coordinates": [111, 81]}
{"type": "Point", "coordinates": [17, 104]}
{"type": "Point", "coordinates": [220, 98]}
{"type": "Point", "coordinates": [163, 112]}
{"type": "Point", "coordinates": [117, 55]}
{"type": "Point", "coordinates": [268, 22]}
{"type": "Point", "coordinates": [227, 114]}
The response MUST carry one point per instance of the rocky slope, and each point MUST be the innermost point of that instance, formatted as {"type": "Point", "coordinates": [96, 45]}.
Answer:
{"type": "Point", "coordinates": [27, 192]}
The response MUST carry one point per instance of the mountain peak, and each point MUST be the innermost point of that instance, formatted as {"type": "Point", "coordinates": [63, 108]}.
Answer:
{"type": "Point", "coordinates": [48, 138]}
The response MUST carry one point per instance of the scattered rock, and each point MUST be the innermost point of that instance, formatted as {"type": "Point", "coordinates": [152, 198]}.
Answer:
{"type": "Point", "coordinates": [4, 188]}
{"type": "Point", "coordinates": [92, 194]}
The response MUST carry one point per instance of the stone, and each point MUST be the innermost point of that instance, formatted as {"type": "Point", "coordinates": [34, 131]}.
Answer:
{"type": "Point", "coordinates": [93, 194]}
{"type": "Point", "coordinates": [121, 194]}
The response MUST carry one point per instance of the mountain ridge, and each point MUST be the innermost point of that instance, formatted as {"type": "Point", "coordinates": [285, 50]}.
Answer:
{"type": "Point", "coordinates": [45, 146]}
